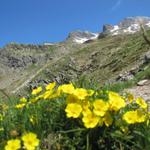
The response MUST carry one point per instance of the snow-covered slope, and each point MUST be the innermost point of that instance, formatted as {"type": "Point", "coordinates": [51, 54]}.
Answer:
{"type": "Point", "coordinates": [81, 37]}
{"type": "Point", "coordinates": [129, 25]}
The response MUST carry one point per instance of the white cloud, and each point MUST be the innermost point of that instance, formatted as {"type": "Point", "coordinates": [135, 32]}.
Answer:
{"type": "Point", "coordinates": [116, 5]}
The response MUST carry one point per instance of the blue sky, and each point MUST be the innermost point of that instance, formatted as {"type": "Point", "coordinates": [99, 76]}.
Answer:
{"type": "Point", "coordinates": [38, 21]}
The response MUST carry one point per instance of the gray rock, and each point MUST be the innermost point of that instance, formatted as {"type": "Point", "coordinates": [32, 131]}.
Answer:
{"type": "Point", "coordinates": [147, 57]}
{"type": "Point", "coordinates": [128, 25]}
{"type": "Point", "coordinates": [134, 70]}
{"type": "Point", "coordinates": [142, 82]}
{"type": "Point", "coordinates": [107, 27]}
{"type": "Point", "coordinates": [19, 56]}
{"type": "Point", "coordinates": [127, 22]}
{"type": "Point", "coordinates": [125, 77]}
{"type": "Point", "coordinates": [81, 35]}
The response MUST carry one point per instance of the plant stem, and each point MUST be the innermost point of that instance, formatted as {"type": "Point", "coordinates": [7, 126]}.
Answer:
{"type": "Point", "coordinates": [87, 142]}
{"type": "Point", "coordinates": [73, 130]}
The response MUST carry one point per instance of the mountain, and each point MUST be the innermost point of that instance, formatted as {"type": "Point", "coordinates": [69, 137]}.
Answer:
{"type": "Point", "coordinates": [117, 50]}
{"type": "Point", "coordinates": [129, 25]}
{"type": "Point", "coordinates": [81, 37]}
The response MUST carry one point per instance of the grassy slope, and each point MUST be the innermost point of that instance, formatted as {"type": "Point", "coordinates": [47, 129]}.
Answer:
{"type": "Point", "coordinates": [13, 78]}
{"type": "Point", "coordinates": [102, 59]}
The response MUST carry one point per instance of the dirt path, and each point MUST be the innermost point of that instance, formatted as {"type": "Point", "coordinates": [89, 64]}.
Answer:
{"type": "Point", "coordinates": [141, 90]}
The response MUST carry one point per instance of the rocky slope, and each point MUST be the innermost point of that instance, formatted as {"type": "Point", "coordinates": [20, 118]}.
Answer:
{"type": "Point", "coordinates": [129, 25]}
{"type": "Point", "coordinates": [19, 62]}
{"type": "Point", "coordinates": [81, 37]}
{"type": "Point", "coordinates": [141, 90]}
{"type": "Point", "coordinates": [82, 53]}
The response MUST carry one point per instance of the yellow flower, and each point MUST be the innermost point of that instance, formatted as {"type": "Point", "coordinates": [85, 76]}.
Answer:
{"type": "Point", "coordinates": [100, 107]}
{"type": "Point", "coordinates": [37, 98]}
{"type": "Point", "coordinates": [141, 103]}
{"type": "Point", "coordinates": [101, 122]}
{"type": "Point", "coordinates": [108, 119]}
{"type": "Point", "coordinates": [86, 112]}
{"type": "Point", "coordinates": [55, 94]}
{"type": "Point", "coordinates": [80, 93]}
{"type": "Point", "coordinates": [147, 122]}
{"type": "Point", "coordinates": [36, 91]}
{"type": "Point", "coordinates": [141, 117]}
{"type": "Point", "coordinates": [135, 116]}
{"type": "Point", "coordinates": [30, 141]}
{"type": "Point", "coordinates": [19, 106]}
{"type": "Point", "coordinates": [33, 119]}
{"type": "Point", "coordinates": [34, 100]}
{"type": "Point", "coordinates": [66, 88]}
{"type": "Point", "coordinates": [47, 94]}
{"type": "Point", "coordinates": [14, 144]}
{"type": "Point", "coordinates": [85, 104]}
{"type": "Point", "coordinates": [73, 110]}
{"type": "Point", "coordinates": [50, 86]}
{"type": "Point", "coordinates": [90, 92]}
{"type": "Point", "coordinates": [90, 120]}
{"type": "Point", "coordinates": [148, 118]}
{"type": "Point", "coordinates": [130, 97]}
{"type": "Point", "coordinates": [23, 100]}
{"type": "Point", "coordinates": [116, 101]}
{"type": "Point", "coordinates": [72, 99]}
{"type": "Point", "coordinates": [130, 117]}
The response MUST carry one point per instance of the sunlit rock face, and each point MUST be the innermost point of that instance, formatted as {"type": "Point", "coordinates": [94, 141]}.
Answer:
{"type": "Point", "coordinates": [129, 25]}
{"type": "Point", "coordinates": [81, 37]}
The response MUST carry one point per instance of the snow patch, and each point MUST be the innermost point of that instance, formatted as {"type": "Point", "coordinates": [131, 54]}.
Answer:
{"type": "Point", "coordinates": [132, 29]}
{"type": "Point", "coordinates": [135, 27]}
{"type": "Point", "coordinates": [148, 24]}
{"type": "Point", "coordinates": [95, 36]}
{"type": "Point", "coordinates": [116, 33]}
{"type": "Point", "coordinates": [48, 44]}
{"type": "Point", "coordinates": [82, 40]}
{"type": "Point", "coordinates": [115, 28]}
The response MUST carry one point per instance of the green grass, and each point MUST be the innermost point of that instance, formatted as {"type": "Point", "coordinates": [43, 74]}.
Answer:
{"type": "Point", "coordinates": [121, 85]}
{"type": "Point", "coordinates": [56, 131]}
{"type": "Point", "coordinates": [143, 74]}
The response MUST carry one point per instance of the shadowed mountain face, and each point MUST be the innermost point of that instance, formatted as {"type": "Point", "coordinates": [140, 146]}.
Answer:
{"type": "Point", "coordinates": [82, 53]}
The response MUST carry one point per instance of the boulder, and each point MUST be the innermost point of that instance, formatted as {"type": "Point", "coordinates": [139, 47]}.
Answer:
{"type": "Point", "coordinates": [147, 57]}
{"type": "Point", "coordinates": [142, 82]}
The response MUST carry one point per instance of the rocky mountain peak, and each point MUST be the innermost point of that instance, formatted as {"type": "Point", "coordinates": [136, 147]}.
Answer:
{"type": "Point", "coordinates": [107, 27]}
{"type": "Point", "coordinates": [81, 36]}
{"type": "Point", "coordinates": [128, 25]}
{"type": "Point", "coordinates": [129, 21]}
